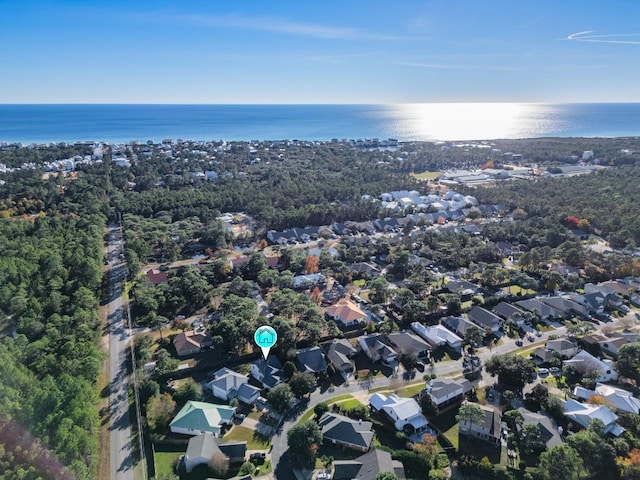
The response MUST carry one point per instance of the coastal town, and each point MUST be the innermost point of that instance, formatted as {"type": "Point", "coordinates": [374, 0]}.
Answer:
{"type": "Point", "coordinates": [432, 327]}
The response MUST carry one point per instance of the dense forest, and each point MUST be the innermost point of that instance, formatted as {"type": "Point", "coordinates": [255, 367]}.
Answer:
{"type": "Point", "coordinates": [607, 199]}
{"type": "Point", "coordinates": [50, 282]}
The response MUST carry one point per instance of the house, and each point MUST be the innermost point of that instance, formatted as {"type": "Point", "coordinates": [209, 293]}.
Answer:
{"type": "Point", "coordinates": [376, 349]}
{"type": "Point", "coordinates": [616, 340]}
{"type": "Point", "coordinates": [541, 309]}
{"type": "Point", "coordinates": [196, 418]}
{"type": "Point", "coordinates": [367, 466]}
{"type": "Point", "coordinates": [205, 448]}
{"type": "Point", "coordinates": [582, 414]}
{"type": "Point", "coordinates": [365, 270]}
{"type": "Point", "coordinates": [268, 373]}
{"type": "Point", "coordinates": [459, 325]}
{"type": "Point", "coordinates": [584, 363]}
{"type": "Point", "coordinates": [487, 428]}
{"type": "Point", "coordinates": [613, 291]}
{"type": "Point", "coordinates": [346, 432]}
{"type": "Point", "coordinates": [311, 360]}
{"type": "Point", "coordinates": [303, 282]}
{"type": "Point", "coordinates": [156, 277]}
{"type": "Point", "coordinates": [565, 305]}
{"type": "Point", "coordinates": [549, 433]}
{"type": "Point", "coordinates": [227, 384]}
{"type": "Point", "coordinates": [192, 342]}
{"type": "Point", "coordinates": [465, 289]}
{"type": "Point", "coordinates": [445, 392]}
{"type": "Point", "coordinates": [614, 397]}
{"type": "Point", "coordinates": [405, 413]}
{"type": "Point", "coordinates": [542, 355]}
{"type": "Point", "coordinates": [563, 347]}
{"type": "Point", "coordinates": [346, 314]}
{"type": "Point", "coordinates": [486, 320]}
{"type": "Point", "coordinates": [340, 354]}
{"type": "Point", "coordinates": [438, 336]}
{"type": "Point", "coordinates": [511, 313]}
{"type": "Point", "coordinates": [408, 343]}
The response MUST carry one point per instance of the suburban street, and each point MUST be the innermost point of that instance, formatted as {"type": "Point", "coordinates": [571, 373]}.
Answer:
{"type": "Point", "coordinates": [120, 425]}
{"type": "Point", "coordinates": [282, 469]}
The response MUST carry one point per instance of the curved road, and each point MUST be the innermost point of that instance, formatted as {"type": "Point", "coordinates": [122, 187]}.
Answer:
{"type": "Point", "coordinates": [120, 425]}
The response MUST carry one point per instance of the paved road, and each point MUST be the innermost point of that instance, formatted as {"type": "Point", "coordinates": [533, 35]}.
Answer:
{"type": "Point", "coordinates": [120, 425]}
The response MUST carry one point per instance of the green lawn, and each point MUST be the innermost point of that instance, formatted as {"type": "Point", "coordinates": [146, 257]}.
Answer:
{"type": "Point", "coordinates": [426, 175]}
{"type": "Point", "coordinates": [306, 416]}
{"type": "Point", "coordinates": [411, 390]}
{"type": "Point", "coordinates": [165, 462]}
{"type": "Point", "coordinates": [349, 404]}
{"type": "Point", "coordinates": [244, 434]}
{"type": "Point", "coordinates": [448, 425]}
{"type": "Point", "coordinates": [359, 283]}
{"type": "Point", "coordinates": [515, 289]}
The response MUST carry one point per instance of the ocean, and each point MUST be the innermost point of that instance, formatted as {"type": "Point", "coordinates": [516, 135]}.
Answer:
{"type": "Point", "coordinates": [405, 122]}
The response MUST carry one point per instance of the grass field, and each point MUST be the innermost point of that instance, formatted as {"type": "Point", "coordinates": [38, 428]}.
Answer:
{"type": "Point", "coordinates": [426, 175]}
{"type": "Point", "coordinates": [349, 404]}
{"type": "Point", "coordinates": [165, 462]}
{"type": "Point", "coordinates": [448, 425]}
{"type": "Point", "coordinates": [244, 434]}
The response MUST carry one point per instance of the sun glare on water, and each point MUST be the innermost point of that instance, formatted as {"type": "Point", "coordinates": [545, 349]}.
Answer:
{"type": "Point", "coordinates": [464, 121]}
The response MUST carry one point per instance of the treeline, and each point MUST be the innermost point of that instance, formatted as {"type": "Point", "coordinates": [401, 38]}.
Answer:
{"type": "Point", "coordinates": [50, 282]}
{"type": "Point", "coordinates": [50, 276]}
{"type": "Point", "coordinates": [607, 199]}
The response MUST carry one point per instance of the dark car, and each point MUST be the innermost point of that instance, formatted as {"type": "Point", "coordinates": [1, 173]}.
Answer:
{"type": "Point", "coordinates": [419, 366]}
{"type": "Point", "coordinates": [519, 343]}
{"type": "Point", "coordinates": [257, 457]}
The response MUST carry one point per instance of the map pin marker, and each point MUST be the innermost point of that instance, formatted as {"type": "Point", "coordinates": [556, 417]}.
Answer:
{"type": "Point", "coordinates": [265, 337]}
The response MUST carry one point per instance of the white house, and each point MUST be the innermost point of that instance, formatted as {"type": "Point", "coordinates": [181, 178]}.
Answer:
{"type": "Point", "coordinates": [583, 414]}
{"type": "Point", "coordinates": [563, 347]}
{"type": "Point", "coordinates": [405, 413]}
{"type": "Point", "coordinates": [438, 336]}
{"type": "Point", "coordinates": [584, 363]}
{"type": "Point", "coordinates": [617, 398]}
{"type": "Point", "coordinates": [446, 391]}
{"type": "Point", "coordinates": [227, 384]}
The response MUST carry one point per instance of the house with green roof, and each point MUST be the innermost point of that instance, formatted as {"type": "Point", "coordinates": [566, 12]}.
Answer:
{"type": "Point", "coordinates": [196, 418]}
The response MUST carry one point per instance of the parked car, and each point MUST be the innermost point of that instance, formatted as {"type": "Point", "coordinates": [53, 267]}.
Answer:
{"type": "Point", "coordinates": [419, 366]}
{"type": "Point", "coordinates": [519, 343]}
{"type": "Point", "coordinates": [323, 476]}
{"type": "Point", "coordinates": [257, 457]}
{"type": "Point", "coordinates": [543, 371]}
{"type": "Point", "coordinates": [555, 370]}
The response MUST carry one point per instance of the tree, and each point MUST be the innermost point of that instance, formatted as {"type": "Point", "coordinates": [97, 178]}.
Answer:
{"type": "Point", "coordinates": [165, 363]}
{"type": "Point", "coordinates": [189, 389]}
{"type": "Point", "coordinates": [302, 384]}
{"type": "Point", "coordinates": [379, 290]}
{"type": "Point", "coordinates": [429, 407]}
{"type": "Point", "coordinates": [469, 414]}
{"type": "Point", "coordinates": [473, 336]}
{"type": "Point", "coordinates": [514, 420]}
{"type": "Point", "coordinates": [530, 438]}
{"type": "Point", "coordinates": [560, 462]}
{"type": "Point", "coordinates": [280, 397]}
{"type": "Point", "coordinates": [511, 369]}
{"type": "Point", "coordinates": [320, 409]}
{"type": "Point", "coordinates": [159, 411]}
{"type": "Point", "coordinates": [289, 369]}
{"type": "Point", "coordinates": [312, 264]}
{"type": "Point", "coordinates": [304, 440]}
{"type": "Point", "coordinates": [386, 476]}
{"type": "Point", "coordinates": [219, 465]}
{"type": "Point", "coordinates": [538, 396]}
{"type": "Point", "coordinates": [629, 466]}
{"type": "Point", "coordinates": [247, 468]}
{"type": "Point", "coordinates": [428, 448]}
{"type": "Point", "coordinates": [628, 363]}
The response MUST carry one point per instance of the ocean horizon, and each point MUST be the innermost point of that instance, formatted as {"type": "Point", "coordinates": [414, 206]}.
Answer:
{"type": "Point", "coordinates": [42, 123]}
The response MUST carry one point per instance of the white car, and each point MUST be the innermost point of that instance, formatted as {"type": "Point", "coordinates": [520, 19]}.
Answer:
{"type": "Point", "coordinates": [323, 476]}
{"type": "Point", "coordinates": [543, 371]}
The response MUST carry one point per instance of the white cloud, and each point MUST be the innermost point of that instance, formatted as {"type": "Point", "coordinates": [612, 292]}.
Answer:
{"type": "Point", "coordinates": [615, 38]}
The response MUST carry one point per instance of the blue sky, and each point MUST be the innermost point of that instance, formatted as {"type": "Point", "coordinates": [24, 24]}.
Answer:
{"type": "Point", "coordinates": [369, 51]}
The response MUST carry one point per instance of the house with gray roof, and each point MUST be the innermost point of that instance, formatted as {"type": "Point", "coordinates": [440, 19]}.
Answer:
{"type": "Point", "coordinates": [408, 343]}
{"type": "Point", "coordinates": [485, 319]}
{"type": "Point", "coordinates": [269, 372]}
{"type": "Point", "coordinates": [541, 309]}
{"type": "Point", "coordinates": [227, 384]}
{"type": "Point", "coordinates": [376, 349]}
{"type": "Point", "coordinates": [438, 336]}
{"type": "Point", "coordinates": [405, 413]}
{"type": "Point", "coordinates": [565, 305]}
{"type": "Point", "coordinates": [446, 391]}
{"type": "Point", "coordinates": [510, 313]}
{"type": "Point", "coordinates": [459, 325]}
{"type": "Point", "coordinates": [367, 466]}
{"type": "Point", "coordinates": [204, 449]}
{"type": "Point", "coordinates": [346, 432]}
{"type": "Point", "coordinates": [549, 433]}
{"type": "Point", "coordinates": [615, 397]}
{"type": "Point", "coordinates": [487, 428]}
{"type": "Point", "coordinates": [311, 360]}
{"type": "Point", "coordinates": [340, 354]}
